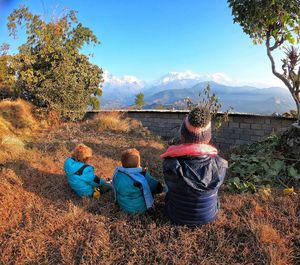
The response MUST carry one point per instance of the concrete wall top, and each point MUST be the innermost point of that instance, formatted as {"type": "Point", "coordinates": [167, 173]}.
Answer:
{"type": "Point", "coordinates": [231, 114]}
{"type": "Point", "coordinates": [241, 128]}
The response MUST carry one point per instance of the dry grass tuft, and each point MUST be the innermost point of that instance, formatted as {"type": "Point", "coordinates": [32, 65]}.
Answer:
{"type": "Point", "coordinates": [275, 244]}
{"type": "Point", "coordinates": [16, 124]}
{"type": "Point", "coordinates": [268, 234]}
{"type": "Point", "coordinates": [18, 113]}
{"type": "Point", "coordinates": [13, 142]}
{"type": "Point", "coordinates": [109, 122]}
{"type": "Point", "coordinates": [115, 122]}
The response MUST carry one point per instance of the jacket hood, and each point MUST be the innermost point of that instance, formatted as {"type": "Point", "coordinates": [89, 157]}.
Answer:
{"type": "Point", "coordinates": [71, 166]}
{"type": "Point", "coordinates": [198, 172]}
{"type": "Point", "coordinates": [129, 171]}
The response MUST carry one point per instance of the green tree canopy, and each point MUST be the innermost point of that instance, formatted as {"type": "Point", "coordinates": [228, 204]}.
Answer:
{"type": "Point", "coordinates": [7, 75]}
{"type": "Point", "coordinates": [51, 71]}
{"type": "Point", "coordinates": [277, 24]}
{"type": "Point", "coordinates": [139, 100]}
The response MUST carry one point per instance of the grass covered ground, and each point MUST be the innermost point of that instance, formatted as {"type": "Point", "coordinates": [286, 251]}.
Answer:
{"type": "Point", "coordinates": [43, 222]}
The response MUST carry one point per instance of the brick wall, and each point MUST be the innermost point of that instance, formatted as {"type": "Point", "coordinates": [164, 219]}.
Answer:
{"type": "Point", "coordinates": [241, 128]}
{"type": "Point", "coordinates": [247, 129]}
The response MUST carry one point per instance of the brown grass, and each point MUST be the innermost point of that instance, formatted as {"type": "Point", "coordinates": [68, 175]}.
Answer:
{"type": "Point", "coordinates": [115, 122]}
{"type": "Point", "coordinates": [16, 124]}
{"type": "Point", "coordinates": [43, 222]}
{"type": "Point", "coordinates": [18, 113]}
{"type": "Point", "coordinates": [109, 122]}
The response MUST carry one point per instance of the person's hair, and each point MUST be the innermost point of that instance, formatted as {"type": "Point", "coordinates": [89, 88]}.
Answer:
{"type": "Point", "coordinates": [82, 152]}
{"type": "Point", "coordinates": [130, 158]}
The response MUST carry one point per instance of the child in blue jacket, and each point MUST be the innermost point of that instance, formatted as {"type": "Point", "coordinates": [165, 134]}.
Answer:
{"type": "Point", "coordinates": [80, 174]}
{"type": "Point", "coordinates": [134, 188]}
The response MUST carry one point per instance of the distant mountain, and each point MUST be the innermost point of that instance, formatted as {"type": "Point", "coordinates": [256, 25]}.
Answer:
{"type": "Point", "coordinates": [242, 99]}
{"type": "Point", "coordinates": [171, 89]}
{"type": "Point", "coordinates": [120, 91]}
{"type": "Point", "coordinates": [179, 80]}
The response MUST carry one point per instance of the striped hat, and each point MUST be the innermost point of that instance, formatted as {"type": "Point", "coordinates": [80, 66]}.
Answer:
{"type": "Point", "coordinates": [196, 127]}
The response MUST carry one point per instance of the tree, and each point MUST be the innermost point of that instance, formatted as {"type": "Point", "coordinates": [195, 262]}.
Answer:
{"type": "Point", "coordinates": [210, 101]}
{"type": "Point", "coordinates": [139, 100]}
{"type": "Point", "coordinates": [277, 24]}
{"type": "Point", "coordinates": [51, 71]}
{"type": "Point", "coordinates": [7, 75]}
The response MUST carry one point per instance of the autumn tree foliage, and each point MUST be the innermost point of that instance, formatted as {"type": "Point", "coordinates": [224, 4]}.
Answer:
{"type": "Point", "coordinates": [50, 70]}
{"type": "Point", "coordinates": [276, 23]}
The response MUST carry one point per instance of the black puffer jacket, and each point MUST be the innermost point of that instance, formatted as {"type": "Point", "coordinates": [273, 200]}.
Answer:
{"type": "Point", "coordinates": [193, 183]}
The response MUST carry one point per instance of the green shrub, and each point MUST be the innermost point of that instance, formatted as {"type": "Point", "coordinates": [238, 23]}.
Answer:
{"type": "Point", "coordinates": [261, 165]}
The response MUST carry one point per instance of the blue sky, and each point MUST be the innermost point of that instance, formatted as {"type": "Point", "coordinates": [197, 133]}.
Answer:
{"type": "Point", "coordinates": [149, 38]}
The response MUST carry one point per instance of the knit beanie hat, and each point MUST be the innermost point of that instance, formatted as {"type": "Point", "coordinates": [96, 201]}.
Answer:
{"type": "Point", "coordinates": [196, 127]}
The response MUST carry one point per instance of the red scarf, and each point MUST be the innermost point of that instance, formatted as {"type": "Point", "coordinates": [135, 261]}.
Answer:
{"type": "Point", "coordinates": [190, 150]}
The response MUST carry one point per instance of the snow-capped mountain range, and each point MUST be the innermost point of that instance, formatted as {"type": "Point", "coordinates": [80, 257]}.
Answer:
{"type": "Point", "coordinates": [119, 91]}
{"type": "Point", "coordinates": [190, 76]}
{"type": "Point", "coordinates": [173, 87]}
{"type": "Point", "coordinates": [179, 80]}
{"type": "Point", "coordinates": [124, 84]}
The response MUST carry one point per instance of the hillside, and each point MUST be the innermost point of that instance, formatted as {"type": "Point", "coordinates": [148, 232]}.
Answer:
{"type": "Point", "coordinates": [242, 99]}
{"type": "Point", "coordinates": [43, 222]}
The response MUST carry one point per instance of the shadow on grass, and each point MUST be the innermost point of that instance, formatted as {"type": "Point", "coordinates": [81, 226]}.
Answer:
{"type": "Point", "coordinates": [111, 150]}
{"type": "Point", "coordinates": [152, 238]}
{"type": "Point", "coordinates": [45, 184]}
{"type": "Point", "coordinates": [54, 187]}
{"type": "Point", "coordinates": [153, 161]}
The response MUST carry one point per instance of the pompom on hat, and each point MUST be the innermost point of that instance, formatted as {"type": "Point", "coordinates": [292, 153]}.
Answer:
{"type": "Point", "coordinates": [196, 127]}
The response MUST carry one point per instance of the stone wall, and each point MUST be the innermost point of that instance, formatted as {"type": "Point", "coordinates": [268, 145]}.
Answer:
{"type": "Point", "coordinates": [241, 128]}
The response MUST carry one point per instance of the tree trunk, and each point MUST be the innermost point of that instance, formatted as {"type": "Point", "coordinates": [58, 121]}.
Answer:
{"type": "Point", "coordinates": [289, 144]}
{"type": "Point", "coordinates": [298, 112]}
{"type": "Point", "coordinates": [283, 79]}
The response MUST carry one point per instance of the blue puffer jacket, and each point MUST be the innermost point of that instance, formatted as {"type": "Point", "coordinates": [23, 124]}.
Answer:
{"type": "Point", "coordinates": [129, 195]}
{"type": "Point", "coordinates": [82, 183]}
{"type": "Point", "coordinates": [193, 183]}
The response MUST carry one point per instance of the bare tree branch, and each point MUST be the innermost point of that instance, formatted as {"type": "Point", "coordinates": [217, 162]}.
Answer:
{"type": "Point", "coordinates": [277, 43]}
{"type": "Point", "coordinates": [297, 85]}
{"type": "Point", "coordinates": [298, 81]}
{"type": "Point", "coordinates": [278, 75]}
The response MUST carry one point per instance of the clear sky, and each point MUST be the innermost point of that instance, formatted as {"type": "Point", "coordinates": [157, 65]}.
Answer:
{"type": "Point", "coordinates": [149, 38]}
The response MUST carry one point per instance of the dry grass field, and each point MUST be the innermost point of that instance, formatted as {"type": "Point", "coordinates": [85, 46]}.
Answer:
{"type": "Point", "coordinates": [43, 222]}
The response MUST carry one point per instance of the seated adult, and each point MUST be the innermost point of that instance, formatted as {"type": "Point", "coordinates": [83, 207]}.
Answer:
{"type": "Point", "coordinates": [193, 172]}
